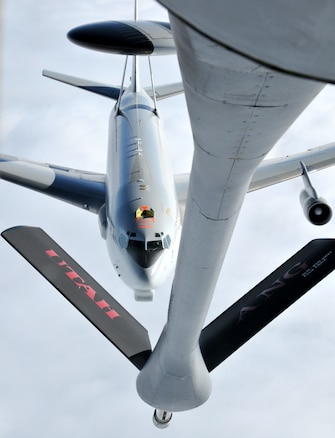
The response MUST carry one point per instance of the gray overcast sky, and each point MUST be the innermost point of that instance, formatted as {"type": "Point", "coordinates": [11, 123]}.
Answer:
{"type": "Point", "coordinates": [59, 376]}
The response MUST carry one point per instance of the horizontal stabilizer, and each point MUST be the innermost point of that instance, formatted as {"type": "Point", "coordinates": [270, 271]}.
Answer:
{"type": "Point", "coordinates": [168, 90]}
{"type": "Point", "coordinates": [266, 301]}
{"type": "Point", "coordinates": [77, 286]}
{"type": "Point", "coordinates": [77, 187]}
{"type": "Point", "coordinates": [85, 84]}
{"type": "Point", "coordinates": [161, 91]}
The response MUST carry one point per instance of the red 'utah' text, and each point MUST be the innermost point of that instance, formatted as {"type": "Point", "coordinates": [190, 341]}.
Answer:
{"type": "Point", "coordinates": [80, 283]}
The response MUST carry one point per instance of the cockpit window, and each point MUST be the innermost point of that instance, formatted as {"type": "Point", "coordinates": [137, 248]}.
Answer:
{"type": "Point", "coordinates": [145, 253]}
{"type": "Point", "coordinates": [166, 241]}
{"type": "Point", "coordinates": [154, 245]}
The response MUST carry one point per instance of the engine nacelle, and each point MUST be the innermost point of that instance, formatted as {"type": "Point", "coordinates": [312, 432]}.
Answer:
{"type": "Point", "coordinates": [316, 210]}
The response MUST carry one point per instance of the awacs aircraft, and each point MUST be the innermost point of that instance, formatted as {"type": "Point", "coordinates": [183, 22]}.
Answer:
{"type": "Point", "coordinates": [240, 104]}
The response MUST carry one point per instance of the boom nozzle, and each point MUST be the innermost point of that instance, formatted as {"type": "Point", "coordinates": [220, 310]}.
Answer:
{"type": "Point", "coordinates": [161, 419]}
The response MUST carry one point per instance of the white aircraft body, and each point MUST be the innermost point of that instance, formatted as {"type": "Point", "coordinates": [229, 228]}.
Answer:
{"type": "Point", "coordinates": [239, 108]}
{"type": "Point", "coordinates": [142, 223]}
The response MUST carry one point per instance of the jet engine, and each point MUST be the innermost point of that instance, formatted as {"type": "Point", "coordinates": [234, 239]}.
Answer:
{"type": "Point", "coordinates": [316, 209]}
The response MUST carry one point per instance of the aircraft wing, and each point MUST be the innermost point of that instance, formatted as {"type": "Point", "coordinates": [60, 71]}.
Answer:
{"type": "Point", "coordinates": [77, 187]}
{"type": "Point", "coordinates": [275, 170]}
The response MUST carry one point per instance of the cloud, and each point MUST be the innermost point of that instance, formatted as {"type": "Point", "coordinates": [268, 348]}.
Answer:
{"type": "Point", "coordinates": [59, 376]}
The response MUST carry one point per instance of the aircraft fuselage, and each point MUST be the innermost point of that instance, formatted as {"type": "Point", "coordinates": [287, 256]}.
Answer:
{"type": "Point", "coordinates": [142, 213]}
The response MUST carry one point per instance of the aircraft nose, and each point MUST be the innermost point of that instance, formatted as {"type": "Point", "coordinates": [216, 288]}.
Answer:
{"type": "Point", "coordinates": [145, 253]}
